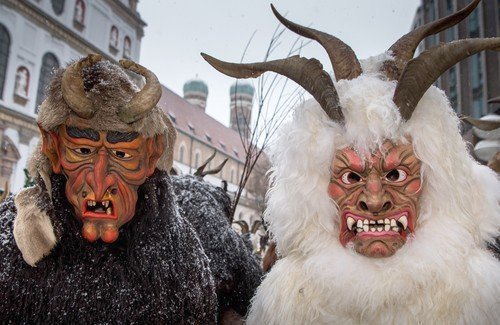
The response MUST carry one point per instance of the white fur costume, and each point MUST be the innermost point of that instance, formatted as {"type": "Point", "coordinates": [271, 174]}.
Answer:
{"type": "Point", "coordinates": [442, 275]}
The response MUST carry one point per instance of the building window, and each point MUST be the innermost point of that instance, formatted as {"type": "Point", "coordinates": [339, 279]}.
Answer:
{"type": "Point", "coordinates": [450, 32]}
{"type": "Point", "coordinates": [197, 158]}
{"type": "Point", "coordinates": [58, 6]}
{"type": "Point", "coordinates": [127, 47]}
{"type": "Point", "coordinates": [476, 82]}
{"type": "Point", "coordinates": [431, 16]}
{"type": "Point", "coordinates": [452, 81]}
{"type": "Point", "coordinates": [21, 87]}
{"type": "Point", "coordinates": [4, 55]}
{"type": "Point", "coordinates": [113, 39]}
{"type": "Point", "coordinates": [474, 24]}
{"type": "Point", "coordinates": [79, 14]}
{"type": "Point", "coordinates": [182, 151]}
{"type": "Point", "coordinates": [49, 64]}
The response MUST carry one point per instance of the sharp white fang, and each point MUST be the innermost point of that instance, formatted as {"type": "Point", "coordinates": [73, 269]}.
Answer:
{"type": "Point", "coordinates": [387, 227]}
{"type": "Point", "coordinates": [372, 229]}
{"type": "Point", "coordinates": [366, 228]}
{"type": "Point", "coordinates": [404, 221]}
{"type": "Point", "coordinates": [365, 221]}
{"type": "Point", "coordinates": [108, 211]}
{"type": "Point", "coordinates": [106, 204]}
{"type": "Point", "coordinates": [380, 228]}
{"type": "Point", "coordinates": [350, 222]}
{"type": "Point", "coordinates": [393, 223]}
{"type": "Point", "coordinates": [359, 224]}
{"type": "Point", "coordinates": [386, 221]}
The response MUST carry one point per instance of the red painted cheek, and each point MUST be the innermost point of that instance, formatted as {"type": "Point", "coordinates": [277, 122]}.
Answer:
{"type": "Point", "coordinates": [335, 191]}
{"type": "Point", "coordinates": [414, 186]}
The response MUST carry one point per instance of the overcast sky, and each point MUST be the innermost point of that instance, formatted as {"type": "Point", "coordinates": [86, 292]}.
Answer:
{"type": "Point", "coordinates": [178, 31]}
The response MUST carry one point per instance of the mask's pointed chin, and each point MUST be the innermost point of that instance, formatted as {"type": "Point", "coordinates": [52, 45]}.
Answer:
{"type": "Point", "coordinates": [94, 229]}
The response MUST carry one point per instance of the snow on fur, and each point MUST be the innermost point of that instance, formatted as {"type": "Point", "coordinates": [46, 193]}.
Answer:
{"type": "Point", "coordinates": [235, 268]}
{"type": "Point", "coordinates": [156, 272]}
{"type": "Point", "coordinates": [443, 274]}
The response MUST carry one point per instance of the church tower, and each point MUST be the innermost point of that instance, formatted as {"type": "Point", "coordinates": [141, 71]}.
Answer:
{"type": "Point", "coordinates": [241, 102]}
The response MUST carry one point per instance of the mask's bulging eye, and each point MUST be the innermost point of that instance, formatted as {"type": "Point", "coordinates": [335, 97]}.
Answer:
{"type": "Point", "coordinates": [83, 151]}
{"type": "Point", "coordinates": [396, 175]}
{"type": "Point", "coordinates": [350, 178]}
{"type": "Point", "coordinates": [120, 154]}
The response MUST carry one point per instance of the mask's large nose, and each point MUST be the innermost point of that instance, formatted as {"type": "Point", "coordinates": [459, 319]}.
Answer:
{"type": "Point", "coordinates": [99, 178]}
{"type": "Point", "coordinates": [374, 198]}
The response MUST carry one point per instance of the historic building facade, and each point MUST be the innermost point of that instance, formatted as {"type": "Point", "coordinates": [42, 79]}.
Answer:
{"type": "Point", "coordinates": [472, 83]}
{"type": "Point", "coordinates": [200, 135]}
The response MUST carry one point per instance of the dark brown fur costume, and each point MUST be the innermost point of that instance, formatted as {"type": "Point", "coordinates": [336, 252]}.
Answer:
{"type": "Point", "coordinates": [156, 272]}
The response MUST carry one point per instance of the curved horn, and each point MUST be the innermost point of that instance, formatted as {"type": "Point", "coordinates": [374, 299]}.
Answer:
{"type": "Point", "coordinates": [143, 101]}
{"type": "Point", "coordinates": [344, 61]}
{"type": "Point", "coordinates": [245, 229]}
{"type": "Point", "coordinates": [215, 170]}
{"type": "Point", "coordinates": [72, 87]}
{"type": "Point", "coordinates": [200, 170]}
{"type": "Point", "coordinates": [308, 73]}
{"type": "Point", "coordinates": [405, 47]}
{"type": "Point", "coordinates": [484, 125]}
{"type": "Point", "coordinates": [421, 72]}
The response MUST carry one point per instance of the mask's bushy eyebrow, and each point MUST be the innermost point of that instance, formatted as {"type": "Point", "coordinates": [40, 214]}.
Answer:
{"type": "Point", "coordinates": [115, 136]}
{"type": "Point", "coordinates": [75, 132]}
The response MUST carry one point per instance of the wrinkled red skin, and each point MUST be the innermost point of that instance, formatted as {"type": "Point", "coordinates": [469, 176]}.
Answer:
{"type": "Point", "coordinates": [386, 185]}
{"type": "Point", "coordinates": [102, 171]}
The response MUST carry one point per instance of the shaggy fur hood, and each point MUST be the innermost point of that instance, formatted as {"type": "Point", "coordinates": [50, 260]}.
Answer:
{"type": "Point", "coordinates": [443, 274]}
{"type": "Point", "coordinates": [109, 88]}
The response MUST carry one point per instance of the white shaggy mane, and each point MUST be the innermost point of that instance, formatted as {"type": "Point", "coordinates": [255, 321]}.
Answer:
{"type": "Point", "coordinates": [442, 275]}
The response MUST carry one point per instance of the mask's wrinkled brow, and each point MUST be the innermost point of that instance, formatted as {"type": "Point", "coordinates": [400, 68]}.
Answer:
{"type": "Point", "coordinates": [75, 132]}
{"type": "Point", "coordinates": [115, 136]}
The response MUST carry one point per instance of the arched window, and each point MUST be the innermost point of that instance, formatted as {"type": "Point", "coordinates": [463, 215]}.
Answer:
{"type": "Point", "coordinates": [127, 47]}
{"type": "Point", "coordinates": [58, 6]}
{"type": "Point", "coordinates": [4, 55]}
{"type": "Point", "coordinates": [22, 84]}
{"type": "Point", "coordinates": [113, 37]}
{"type": "Point", "coordinates": [197, 158]}
{"type": "Point", "coordinates": [79, 14]}
{"type": "Point", "coordinates": [182, 150]}
{"type": "Point", "coordinates": [49, 63]}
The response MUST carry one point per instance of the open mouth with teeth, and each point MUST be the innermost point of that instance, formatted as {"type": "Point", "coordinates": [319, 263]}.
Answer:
{"type": "Point", "coordinates": [99, 209]}
{"type": "Point", "coordinates": [357, 226]}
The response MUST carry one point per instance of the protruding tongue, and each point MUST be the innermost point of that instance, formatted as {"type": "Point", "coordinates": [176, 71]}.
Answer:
{"type": "Point", "coordinates": [95, 229]}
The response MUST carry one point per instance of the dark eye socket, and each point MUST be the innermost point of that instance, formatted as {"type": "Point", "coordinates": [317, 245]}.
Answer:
{"type": "Point", "coordinates": [350, 178]}
{"type": "Point", "coordinates": [396, 175]}
{"type": "Point", "coordinates": [121, 154]}
{"type": "Point", "coordinates": [83, 151]}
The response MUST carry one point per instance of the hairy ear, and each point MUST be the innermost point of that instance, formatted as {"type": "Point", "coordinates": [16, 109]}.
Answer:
{"type": "Point", "coordinates": [155, 149]}
{"type": "Point", "coordinates": [50, 145]}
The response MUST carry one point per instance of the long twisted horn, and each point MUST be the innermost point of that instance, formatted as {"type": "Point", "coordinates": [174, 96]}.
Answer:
{"type": "Point", "coordinates": [308, 73]}
{"type": "Point", "coordinates": [344, 61]}
{"type": "Point", "coordinates": [143, 101]}
{"type": "Point", "coordinates": [421, 72]}
{"type": "Point", "coordinates": [404, 48]}
{"type": "Point", "coordinates": [72, 87]}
